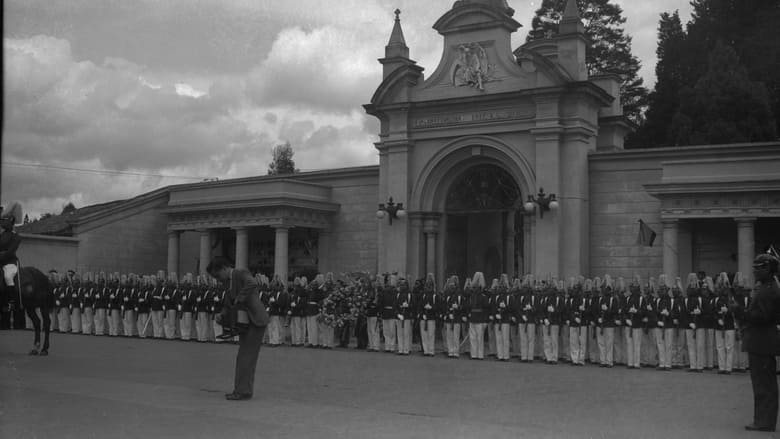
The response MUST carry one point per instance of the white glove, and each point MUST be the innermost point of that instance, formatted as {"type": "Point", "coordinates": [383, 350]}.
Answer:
{"type": "Point", "coordinates": [604, 307]}
{"type": "Point", "coordinates": [632, 310]}
{"type": "Point", "coordinates": [661, 323]}
{"type": "Point", "coordinates": [527, 307]}
{"type": "Point", "coordinates": [405, 305]}
{"type": "Point", "coordinates": [720, 322]}
{"type": "Point", "coordinates": [525, 318]}
{"type": "Point", "coordinates": [400, 317]}
{"type": "Point", "coordinates": [216, 299]}
{"type": "Point", "coordinates": [546, 322]}
{"type": "Point", "coordinates": [696, 311]}
{"type": "Point", "coordinates": [454, 306]}
{"type": "Point", "coordinates": [675, 321]}
{"type": "Point", "coordinates": [692, 325]}
{"type": "Point", "coordinates": [601, 320]}
{"type": "Point", "coordinates": [578, 320]}
{"type": "Point", "coordinates": [452, 317]}
{"type": "Point", "coordinates": [425, 317]}
{"type": "Point", "coordinates": [628, 322]}
{"type": "Point", "coordinates": [127, 299]}
{"type": "Point", "coordinates": [498, 316]}
{"type": "Point", "coordinates": [617, 322]}
{"type": "Point", "coordinates": [168, 297]}
{"type": "Point", "coordinates": [582, 307]}
{"type": "Point", "coordinates": [464, 319]}
{"type": "Point", "coordinates": [665, 313]}
{"type": "Point", "coordinates": [649, 308]}
{"type": "Point", "coordinates": [197, 300]}
{"type": "Point", "coordinates": [289, 313]}
{"type": "Point", "coordinates": [272, 300]}
{"type": "Point", "coordinates": [427, 306]}
{"type": "Point", "coordinates": [550, 309]}
{"type": "Point", "coordinates": [502, 305]}
{"type": "Point", "coordinates": [723, 309]}
{"type": "Point", "coordinates": [293, 305]}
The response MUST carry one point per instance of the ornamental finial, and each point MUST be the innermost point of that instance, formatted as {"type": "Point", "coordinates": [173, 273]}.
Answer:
{"type": "Point", "coordinates": [397, 13]}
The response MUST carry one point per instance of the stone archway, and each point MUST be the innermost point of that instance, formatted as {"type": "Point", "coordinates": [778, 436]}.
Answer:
{"type": "Point", "coordinates": [481, 221]}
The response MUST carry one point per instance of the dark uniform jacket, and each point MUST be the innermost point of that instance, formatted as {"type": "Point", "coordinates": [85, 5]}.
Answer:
{"type": "Point", "coordinates": [575, 309]}
{"type": "Point", "coordinates": [9, 243]}
{"type": "Point", "coordinates": [116, 291]}
{"type": "Point", "coordinates": [479, 306]}
{"type": "Point", "coordinates": [432, 300]}
{"type": "Point", "coordinates": [607, 317]}
{"type": "Point", "coordinates": [314, 297]}
{"type": "Point", "coordinates": [529, 305]}
{"type": "Point", "coordinates": [405, 298]}
{"type": "Point", "coordinates": [386, 303]}
{"type": "Point", "coordinates": [760, 335]}
{"type": "Point", "coordinates": [158, 303]}
{"type": "Point", "coordinates": [639, 304]}
{"type": "Point", "coordinates": [101, 296]}
{"type": "Point", "coordinates": [143, 303]}
{"type": "Point", "coordinates": [724, 317]}
{"type": "Point", "coordinates": [691, 318]}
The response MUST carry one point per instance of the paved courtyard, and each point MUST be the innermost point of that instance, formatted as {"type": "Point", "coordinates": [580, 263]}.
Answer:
{"type": "Point", "coordinates": [100, 387]}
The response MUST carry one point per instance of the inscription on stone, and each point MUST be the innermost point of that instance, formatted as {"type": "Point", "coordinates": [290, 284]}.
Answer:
{"type": "Point", "coordinates": [465, 118]}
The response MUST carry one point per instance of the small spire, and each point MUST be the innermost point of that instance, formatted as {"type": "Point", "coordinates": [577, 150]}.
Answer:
{"type": "Point", "coordinates": [397, 44]}
{"type": "Point", "coordinates": [571, 10]}
{"type": "Point", "coordinates": [570, 21]}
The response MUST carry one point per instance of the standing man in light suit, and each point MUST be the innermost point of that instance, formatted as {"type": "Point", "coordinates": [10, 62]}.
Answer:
{"type": "Point", "coordinates": [243, 294]}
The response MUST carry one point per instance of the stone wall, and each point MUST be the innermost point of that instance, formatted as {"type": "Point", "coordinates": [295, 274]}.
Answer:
{"type": "Point", "coordinates": [132, 240]}
{"type": "Point", "coordinates": [618, 201]}
{"type": "Point", "coordinates": [48, 252]}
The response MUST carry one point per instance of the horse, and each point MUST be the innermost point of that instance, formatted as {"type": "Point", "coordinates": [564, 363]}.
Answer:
{"type": "Point", "coordinates": [35, 291]}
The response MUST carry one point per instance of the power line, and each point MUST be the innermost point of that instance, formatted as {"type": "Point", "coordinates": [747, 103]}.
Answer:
{"type": "Point", "coordinates": [96, 171]}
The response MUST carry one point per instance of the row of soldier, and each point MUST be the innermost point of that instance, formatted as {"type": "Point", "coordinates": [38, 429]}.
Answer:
{"type": "Point", "coordinates": [602, 320]}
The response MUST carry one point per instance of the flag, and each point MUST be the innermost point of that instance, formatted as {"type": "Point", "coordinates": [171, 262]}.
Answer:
{"type": "Point", "coordinates": [646, 235]}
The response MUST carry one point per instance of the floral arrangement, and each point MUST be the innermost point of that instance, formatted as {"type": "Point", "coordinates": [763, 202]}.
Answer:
{"type": "Point", "coordinates": [345, 302]}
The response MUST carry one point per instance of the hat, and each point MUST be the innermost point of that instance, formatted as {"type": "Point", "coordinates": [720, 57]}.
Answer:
{"type": "Point", "coordinates": [479, 280]}
{"type": "Point", "coordinates": [766, 260]}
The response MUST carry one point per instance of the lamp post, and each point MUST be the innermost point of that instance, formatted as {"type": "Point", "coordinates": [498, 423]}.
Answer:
{"type": "Point", "coordinates": [392, 210]}
{"type": "Point", "coordinates": [546, 202]}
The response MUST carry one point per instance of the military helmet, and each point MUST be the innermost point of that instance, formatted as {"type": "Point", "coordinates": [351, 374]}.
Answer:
{"type": "Point", "coordinates": [766, 260]}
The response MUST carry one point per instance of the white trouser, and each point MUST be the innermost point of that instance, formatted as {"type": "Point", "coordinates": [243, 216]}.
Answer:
{"type": "Point", "coordinates": [633, 345]}
{"type": "Point", "coordinates": [724, 340]}
{"type": "Point", "coordinates": [63, 317]}
{"type": "Point", "coordinates": [388, 331]}
{"type": "Point", "coordinates": [427, 335]}
{"type": "Point", "coordinates": [709, 348]}
{"type": "Point", "coordinates": [578, 339]}
{"type": "Point", "coordinates": [606, 340]}
{"type": "Point", "coordinates": [169, 324]}
{"type": "Point", "coordinates": [373, 333]}
{"type": "Point", "coordinates": [157, 323]}
{"type": "Point", "coordinates": [527, 340]}
{"type": "Point", "coordinates": [326, 334]}
{"type": "Point", "coordinates": [452, 334]}
{"type": "Point", "coordinates": [404, 335]}
{"type": "Point", "coordinates": [100, 321]}
{"type": "Point", "coordinates": [312, 330]}
{"type": "Point", "coordinates": [696, 341]}
{"type": "Point", "coordinates": [129, 322]}
{"type": "Point", "coordinates": [9, 271]}
{"type": "Point", "coordinates": [143, 326]}
{"type": "Point", "coordinates": [217, 330]}
{"type": "Point", "coordinates": [501, 331]}
{"type": "Point", "coordinates": [477, 339]}
{"type": "Point", "coordinates": [185, 325]}
{"type": "Point", "coordinates": [297, 330]}
{"type": "Point", "coordinates": [664, 339]}
{"type": "Point", "coordinates": [275, 330]}
{"type": "Point", "coordinates": [114, 322]}
{"type": "Point", "coordinates": [75, 320]}
{"type": "Point", "coordinates": [87, 318]}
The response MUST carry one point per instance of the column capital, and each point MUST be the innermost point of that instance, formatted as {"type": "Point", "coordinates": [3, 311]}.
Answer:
{"type": "Point", "coordinates": [203, 231]}
{"type": "Point", "coordinates": [669, 222]}
{"type": "Point", "coordinates": [172, 233]}
{"type": "Point", "coordinates": [281, 227]}
{"type": "Point", "coordinates": [745, 221]}
{"type": "Point", "coordinates": [240, 229]}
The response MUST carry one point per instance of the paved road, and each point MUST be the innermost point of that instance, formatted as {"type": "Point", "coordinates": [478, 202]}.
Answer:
{"type": "Point", "coordinates": [100, 387]}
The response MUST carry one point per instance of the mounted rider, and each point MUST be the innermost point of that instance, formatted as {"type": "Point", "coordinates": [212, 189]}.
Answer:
{"type": "Point", "coordinates": [9, 243]}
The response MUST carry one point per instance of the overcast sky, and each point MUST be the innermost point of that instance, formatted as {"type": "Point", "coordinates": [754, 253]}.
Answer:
{"type": "Point", "coordinates": [175, 91]}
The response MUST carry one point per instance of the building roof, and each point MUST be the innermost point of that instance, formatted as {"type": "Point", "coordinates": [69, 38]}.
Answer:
{"type": "Point", "coordinates": [62, 224]}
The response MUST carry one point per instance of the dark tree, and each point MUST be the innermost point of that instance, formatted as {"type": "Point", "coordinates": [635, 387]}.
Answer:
{"type": "Point", "coordinates": [724, 106]}
{"type": "Point", "coordinates": [68, 208]}
{"type": "Point", "coordinates": [671, 73]}
{"type": "Point", "coordinates": [610, 48]}
{"type": "Point", "coordinates": [282, 162]}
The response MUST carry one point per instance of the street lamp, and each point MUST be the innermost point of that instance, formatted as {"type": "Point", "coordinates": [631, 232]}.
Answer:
{"type": "Point", "coordinates": [546, 202]}
{"type": "Point", "coordinates": [392, 210]}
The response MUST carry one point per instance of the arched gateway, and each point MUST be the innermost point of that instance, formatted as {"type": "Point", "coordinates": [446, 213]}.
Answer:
{"type": "Point", "coordinates": [463, 148]}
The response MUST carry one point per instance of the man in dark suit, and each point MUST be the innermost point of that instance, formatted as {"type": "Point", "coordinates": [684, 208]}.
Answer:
{"type": "Point", "coordinates": [762, 342]}
{"type": "Point", "coordinates": [243, 294]}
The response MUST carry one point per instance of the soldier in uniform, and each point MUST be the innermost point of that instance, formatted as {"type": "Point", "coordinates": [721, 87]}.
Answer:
{"type": "Point", "coordinates": [679, 322]}
{"type": "Point", "coordinates": [664, 327]}
{"type": "Point", "coordinates": [453, 301]}
{"type": "Point", "coordinates": [386, 305]}
{"type": "Point", "coordinates": [593, 310]}
{"type": "Point", "coordinates": [314, 297]}
{"type": "Point", "coordinates": [102, 292]}
{"type": "Point", "coordinates": [62, 302]}
{"type": "Point", "coordinates": [187, 306]}
{"type": "Point", "coordinates": [116, 290]}
{"type": "Point", "coordinates": [130, 299]}
{"type": "Point", "coordinates": [708, 318]}
{"type": "Point", "coordinates": [694, 332]}
{"type": "Point", "coordinates": [575, 309]}
{"type": "Point", "coordinates": [296, 311]}
{"type": "Point", "coordinates": [216, 302]}
{"type": "Point", "coordinates": [502, 317]}
{"type": "Point", "coordinates": [404, 309]}
{"type": "Point", "coordinates": [529, 302]}
{"type": "Point", "coordinates": [76, 304]}
{"type": "Point", "coordinates": [202, 320]}
{"type": "Point", "coordinates": [143, 305]}
{"type": "Point", "coordinates": [479, 308]}
{"type": "Point", "coordinates": [762, 342]}
{"type": "Point", "coordinates": [551, 320]}
{"type": "Point", "coordinates": [158, 304]}
{"type": "Point", "coordinates": [741, 304]}
{"type": "Point", "coordinates": [635, 312]}
{"type": "Point", "coordinates": [277, 303]}
{"type": "Point", "coordinates": [88, 309]}
{"type": "Point", "coordinates": [725, 325]}
{"type": "Point", "coordinates": [373, 313]}
{"type": "Point", "coordinates": [170, 296]}
{"type": "Point", "coordinates": [427, 311]}
{"type": "Point", "coordinates": [608, 317]}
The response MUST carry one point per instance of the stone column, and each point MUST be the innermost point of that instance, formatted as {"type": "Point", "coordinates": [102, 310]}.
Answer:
{"type": "Point", "coordinates": [671, 261]}
{"type": "Point", "coordinates": [173, 251]}
{"type": "Point", "coordinates": [205, 250]}
{"type": "Point", "coordinates": [509, 245]}
{"type": "Point", "coordinates": [324, 238]}
{"type": "Point", "coordinates": [430, 252]}
{"type": "Point", "coordinates": [242, 247]}
{"type": "Point", "coordinates": [746, 245]}
{"type": "Point", "coordinates": [528, 245]}
{"type": "Point", "coordinates": [281, 252]}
